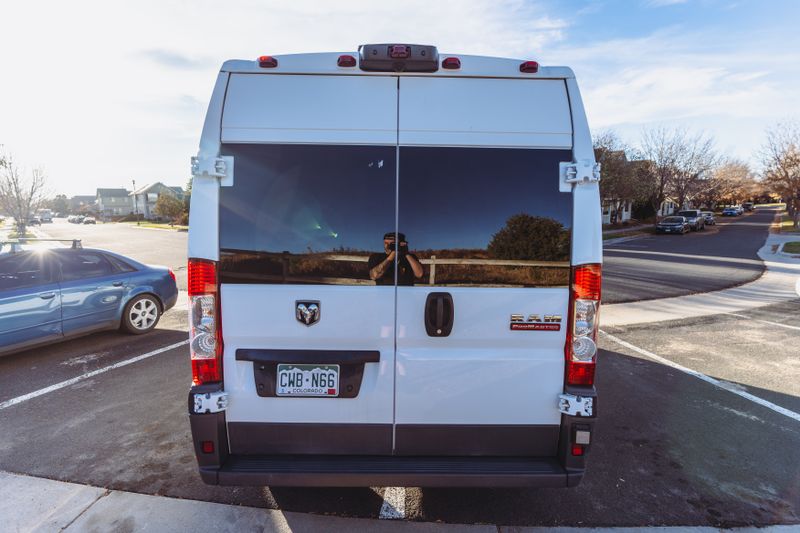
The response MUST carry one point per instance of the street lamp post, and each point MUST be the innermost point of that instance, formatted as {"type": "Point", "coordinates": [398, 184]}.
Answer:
{"type": "Point", "coordinates": [135, 208]}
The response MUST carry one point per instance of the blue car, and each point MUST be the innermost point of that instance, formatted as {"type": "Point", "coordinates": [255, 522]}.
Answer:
{"type": "Point", "coordinates": [51, 294]}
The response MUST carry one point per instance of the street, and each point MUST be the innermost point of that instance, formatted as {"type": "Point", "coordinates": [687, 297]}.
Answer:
{"type": "Point", "coordinates": [659, 266]}
{"type": "Point", "coordinates": [718, 446]}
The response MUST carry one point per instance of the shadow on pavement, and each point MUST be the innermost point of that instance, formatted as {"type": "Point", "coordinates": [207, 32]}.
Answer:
{"type": "Point", "coordinates": [669, 449]}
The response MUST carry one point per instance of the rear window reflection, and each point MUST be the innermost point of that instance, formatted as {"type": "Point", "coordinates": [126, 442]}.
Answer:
{"type": "Point", "coordinates": [326, 215]}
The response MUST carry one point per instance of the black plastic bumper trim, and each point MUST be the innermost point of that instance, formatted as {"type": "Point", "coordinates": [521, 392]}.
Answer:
{"type": "Point", "coordinates": [259, 438]}
{"type": "Point", "coordinates": [480, 440]}
{"type": "Point", "coordinates": [365, 471]}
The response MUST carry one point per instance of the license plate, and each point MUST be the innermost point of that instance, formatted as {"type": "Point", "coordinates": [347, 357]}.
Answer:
{"type": "Point", "coordinates": [308, 380]}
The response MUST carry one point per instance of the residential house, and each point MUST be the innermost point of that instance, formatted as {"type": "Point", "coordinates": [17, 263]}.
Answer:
{"type": "Point", "coordinates": [670, 207]}
{"type": "Point", "coordinates": [619, 209]}
{"type": "Point", "coordinates": [623, 213]}
{"type": "Point", "coordinates": [81, 204]}
{"type": "Point", "coordinates": [114, 202]}
{"type": "Point", "coordinates": [144, 199]}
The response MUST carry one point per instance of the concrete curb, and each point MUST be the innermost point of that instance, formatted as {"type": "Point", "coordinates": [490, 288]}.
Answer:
{"type": "Point", "coordinates": [625, 239]}
{"type": "Point", "coordinates": [779, 283]}
{"type": "Point", "coordinates": [37, 504]}
{"type": "Point", "coordinates": [786, 254]}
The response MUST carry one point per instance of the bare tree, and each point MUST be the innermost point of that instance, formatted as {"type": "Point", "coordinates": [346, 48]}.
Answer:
{"type": "Point", "coordinates": [20, 196]}
{"type": "Point", "coordinates": [622, 179]}
{"type": "Point", "coordinates": [780, 157]}
{"type": "Point", "coordinates": [732, 182]}
{"type": "Point", "coordinates": [659, 147]}
{"type": "Point", "coordinates": [696, 159]}
{"type": "Point", "coordinates": [680, 162]}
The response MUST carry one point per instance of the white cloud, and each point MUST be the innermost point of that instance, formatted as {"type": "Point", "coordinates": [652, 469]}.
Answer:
{"type": "Point", "coordinates": [683, 78]}
{"type": "Point", "coordinates": [102, 92]}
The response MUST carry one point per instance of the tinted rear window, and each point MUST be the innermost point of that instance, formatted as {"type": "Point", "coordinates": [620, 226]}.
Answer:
{"type": "Point", "coordinates": [486, 216]}
{"type": "Point", "coordinates": [319, 214]}
{"type": "Point", "coordinates": [305, 213]}
{"type": "Point", "coordinates": [78, 265]}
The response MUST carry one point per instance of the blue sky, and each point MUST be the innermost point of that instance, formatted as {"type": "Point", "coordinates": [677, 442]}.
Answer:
{"type": "Point", "coordinates": [99, 93]}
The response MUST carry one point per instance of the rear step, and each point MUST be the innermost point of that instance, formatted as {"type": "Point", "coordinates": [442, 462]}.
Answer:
{"type": "Point", "coordinates": [365, 471]}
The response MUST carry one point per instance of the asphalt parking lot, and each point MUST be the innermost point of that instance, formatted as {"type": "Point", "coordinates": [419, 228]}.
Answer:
{"type": "Point", "coordinates": [670, 448]}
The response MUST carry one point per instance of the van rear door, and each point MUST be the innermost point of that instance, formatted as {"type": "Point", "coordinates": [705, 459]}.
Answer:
{"type": "Point", "coordinates": [480, 336]}
{"type": "Point", "coordinates": [308, 336]}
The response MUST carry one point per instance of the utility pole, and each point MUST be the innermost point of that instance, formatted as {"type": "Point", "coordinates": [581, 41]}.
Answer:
{"type": "Point", "coordinates": [135, 208]}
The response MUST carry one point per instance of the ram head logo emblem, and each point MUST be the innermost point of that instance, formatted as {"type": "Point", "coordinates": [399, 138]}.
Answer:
{"type": "Point", "coordinates": [307, 312]}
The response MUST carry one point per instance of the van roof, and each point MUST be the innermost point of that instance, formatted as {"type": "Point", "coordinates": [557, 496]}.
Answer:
{"type": "Point", "coordinates": [325, 63]}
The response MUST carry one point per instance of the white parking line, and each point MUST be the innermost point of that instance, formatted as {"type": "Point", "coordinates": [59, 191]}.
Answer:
{"type": "Point", "coordinates": [787, 326]}
{"type": "Point", "coordinates": [67, 383]}
{"type": "Point", "coordinates": [730, 387]}
{"type": "Point", "coordinates": [394, 503]}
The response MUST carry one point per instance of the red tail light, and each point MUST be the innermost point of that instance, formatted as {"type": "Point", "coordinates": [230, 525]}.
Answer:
{"type": "Point", "coordinates": [346, 61]}
{"type": "Point", "coordinates": [451, 63]}
{"type": "Point", "coordinates": [267, 62]}
{"type": "Point", "coordinates": [205, 328]}
{"type": "Point", "coordinates": [172, 275]}
{"type": "Point", "coordinates": [582, 325]}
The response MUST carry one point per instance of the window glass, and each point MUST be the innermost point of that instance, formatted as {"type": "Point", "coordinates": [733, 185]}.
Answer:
{"type": "Point", "coordinates": [306, 213]}
{"type": "Point", "coordinates": [77, 264]}
{"type": "Point", "coordinates": [119, 265]}
{"type": "Point", "coordinates": [23, 269]}
{"type": "Point", "coordinates": [486, 216]}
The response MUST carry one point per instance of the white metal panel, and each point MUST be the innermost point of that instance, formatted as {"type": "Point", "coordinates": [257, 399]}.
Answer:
{"type": "Point", "coordinates": [587, 234]}
{"type": "Point", "coordinates": [204, 212]}
{"type": "Point", "coordinates": [484, 112]}
{"type": "Point", "coordinates": [310, 109]}
{"type": "Point", "coordinates": [483, 373]}
{"type": "Point", "coordinates": [263, 316]}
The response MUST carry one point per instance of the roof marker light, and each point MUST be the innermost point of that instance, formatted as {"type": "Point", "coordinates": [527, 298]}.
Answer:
{"type": "Point", "coordinates": [451, 63]}
{"type": "Point", "coordinates": [529, 67]}
{"type": "Point", "coordinates": [346, 61]}
{"type": "Point", "coordinates": [267, 62]}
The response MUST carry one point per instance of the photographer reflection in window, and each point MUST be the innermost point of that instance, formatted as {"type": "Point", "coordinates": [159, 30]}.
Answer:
{"type": "Point", "coordinates": [381, 265]}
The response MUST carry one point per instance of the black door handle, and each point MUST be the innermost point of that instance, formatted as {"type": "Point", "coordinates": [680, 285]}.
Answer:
{"type": "Point", "coordinates": [439, 314]}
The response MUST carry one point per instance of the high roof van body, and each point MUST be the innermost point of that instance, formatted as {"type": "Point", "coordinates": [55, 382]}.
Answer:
{"type": "Point", "coordinates": [394, 272]}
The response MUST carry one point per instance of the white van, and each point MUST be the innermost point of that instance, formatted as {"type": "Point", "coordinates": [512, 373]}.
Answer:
{"type": "Point", "coordinates": [394, 272]}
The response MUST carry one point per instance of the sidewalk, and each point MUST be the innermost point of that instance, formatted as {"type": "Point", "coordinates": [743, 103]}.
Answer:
{"type": "Point", "coordinates": [779, 283]}
{"type": "Point", "coordinates": [626, 229]}
{"type": "Point", "coordinates": [43, 505]}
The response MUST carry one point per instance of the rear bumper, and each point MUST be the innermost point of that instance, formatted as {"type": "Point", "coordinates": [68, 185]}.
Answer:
{"type": "Point", "coordinates": [322, 466]}
{"type": "Point", "coordinates": [371, 471]}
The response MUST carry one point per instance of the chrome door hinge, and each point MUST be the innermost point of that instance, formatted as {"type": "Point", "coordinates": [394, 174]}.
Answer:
{"type": "Point", "coordinates": [214, 167]}
{"type": "Point", "coordinates": [583, 171]}
{"type": "Point", "coordinates": [572, 405]}
{"type": "Point", "coordinates": [210, 402]}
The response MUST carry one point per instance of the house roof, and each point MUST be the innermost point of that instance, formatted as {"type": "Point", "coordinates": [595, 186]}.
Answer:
{"type": "Point", "coordinates": [112, 192]}
{"type": "Point", "coordinates": [158, 186]}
